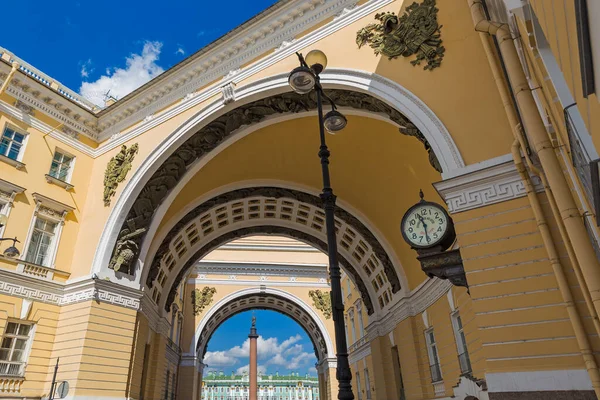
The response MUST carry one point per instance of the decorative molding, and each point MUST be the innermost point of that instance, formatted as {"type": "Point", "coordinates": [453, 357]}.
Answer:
{"type": "Point", "coordinates": [359, 353]}
{"type": "Point", "coordinates": [416, 32]}
{"type": "Point", "coordinates": [50, 207]}
{"type": "Point", "coordinates": [202, 299]}
{"type": "Point", "coordinates": [58, 182]}
{"type": "Point", "coordinates": [269, 298]}
{"type": "Point", "coordinates": [27, 109]}
{"type": "Point", "coordinates": [116, 171]}
{"type": "Point", "coordinates": [321, 301]}
{"type": "Point", "coordinates": [231, 54]}
{"type": "Point", "coordinates": [228, 92]}
{"type": "Point", "coordinates": [533, 381]}
{"type": "Point", "coordinates": [304, 219]}
{"type": "Point", "coordinates": [15, 284]}
{"type": "Point", "coordinates": [258, 268]}
{"type": "Point", "coordinates": [482, 188]}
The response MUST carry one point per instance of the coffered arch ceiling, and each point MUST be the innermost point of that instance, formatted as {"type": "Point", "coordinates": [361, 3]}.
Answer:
{"type": "Point", "coordinates": [139, 218]}
{"type": "Point", "coordinates": [278, 211]}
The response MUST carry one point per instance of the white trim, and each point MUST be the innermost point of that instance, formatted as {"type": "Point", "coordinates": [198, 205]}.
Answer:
{"type": "Point", "coordinates": [281, 293]}
{"type": "Point", "coordinates": [12, 190]}
{"type": "Point", "coordinates": [392, 93]}
{"type": "Point", "coordinates": [533, 381]}
{"type": "Point", "coordinates": [491, 185]}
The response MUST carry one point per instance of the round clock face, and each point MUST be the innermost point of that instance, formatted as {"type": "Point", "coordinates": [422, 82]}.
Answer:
{"type": "Point", "coordinates": [425, 225]}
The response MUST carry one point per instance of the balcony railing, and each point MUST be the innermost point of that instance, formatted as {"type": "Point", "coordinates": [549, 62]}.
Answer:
{"type": "Point", "coordinates": [436, 373]}
{"type": "Point", "coordinates": [173, 346]}
{"type": "Point", "coordinates": [465, 363]}
{"type": "Point", "coordinates": [8, 368]}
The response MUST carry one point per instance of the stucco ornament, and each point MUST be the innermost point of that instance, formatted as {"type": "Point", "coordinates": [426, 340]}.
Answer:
{"type": "Point", "coordinates": [202, 298]}
{"type": "Point", "coordinates": [212, 135]}
{"type": "Point", "coordinates": [322, 302]}
{"type": "Point", "coordinates": [416, 32]}
{"type": "Point", "coordinates": [116, 171]}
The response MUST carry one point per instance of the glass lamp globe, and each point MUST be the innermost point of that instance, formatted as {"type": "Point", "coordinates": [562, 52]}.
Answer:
{"type": "Point", "coordinates": [12, 252]}
{"type": "Point", "coordinates": [334, 121]}
{"type": "Point", "coordinates": [302, 80]}
{"type": "Point", "coordinates": [317, 60]}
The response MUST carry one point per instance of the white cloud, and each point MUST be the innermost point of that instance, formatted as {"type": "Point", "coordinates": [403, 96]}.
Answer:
{"type": "Point", "coordinates": [219, 359]}
{"type": "Point", "coordinates": [180, 51]}
{"type": "Point", "coordinates": [245, 370]}
{"type": "Point", "coordinates": [288, 354]}
{"type": "Point", "coordinates": [86, 68]}
{"type": "Point", "coordinates": [139, 69]}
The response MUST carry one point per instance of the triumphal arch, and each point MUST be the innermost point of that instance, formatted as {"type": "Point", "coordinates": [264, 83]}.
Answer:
{"type": "Point", "coordinates": [482, 115]}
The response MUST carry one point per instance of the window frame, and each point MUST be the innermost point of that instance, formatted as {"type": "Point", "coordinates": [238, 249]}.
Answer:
{"type": "Point", "coordinates": [18, 162]}
{"type": "Point", "coordinates": [54, 211]}
{"type": "Point", "coordinates": [65, 183]}
{"type": "Point", "coordinates": [460, 339]}
{"type": "Point", "coordinates": [433, 354]}
{"type": "Point", "coordinates": [50, 252]}
{"type": "Point", "coordinates": [28, 345]}
{"type": "Point", "coordinates": [367, 384]}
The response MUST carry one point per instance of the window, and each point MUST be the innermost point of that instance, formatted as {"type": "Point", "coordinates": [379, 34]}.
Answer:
{"type": "Point", "coordinates": [61, 166]}
{"type": "Point", "coordinates": [167, 385]}
{"type": "Point", "coordinates": [12, 144]}
{"type": "Point", "coordinates": [41, 243]}
{"type": "Point", "coordinates": [461, 344]}
{"type": "Point", "coordinates": [361, 327]}
{"type": "Point", "coordinates": [349, 286]}
{"type": "Point", "coordinates": [398, 373]}
{"type": "Point", "coordinates": [358, 389]}
{"type": "Point", "coordinates": [434, 361]}
{"type": "Point", "coordinates": [367, 384]}
{"type": "Point", "coordinates": [352, 327]}
{"type": "Point", "coordinates": [13, 351]}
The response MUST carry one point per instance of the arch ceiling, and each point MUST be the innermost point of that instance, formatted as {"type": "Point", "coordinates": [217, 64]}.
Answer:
{"type": "Point", "coordinates": [266, 300]}
{"type": "Point", "coordinates": [271, 210]}
{"type": "Point", "coordinates": [205, 140]}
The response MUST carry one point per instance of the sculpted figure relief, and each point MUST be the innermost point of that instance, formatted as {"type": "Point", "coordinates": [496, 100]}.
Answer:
{"type": "Point", "coordinates": [202, 298]}
{"type": "Point", "coordinates": [206, 139]}
{"type": "Point", "coordinates": [322, 302]}
{"type": "Point", "coordinates": [117, 170]}
{"type": "Point", "coordinates": [416, 32]}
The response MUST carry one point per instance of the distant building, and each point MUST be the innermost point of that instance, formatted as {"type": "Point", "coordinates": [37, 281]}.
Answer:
{"type": "Point", "coordinates": [270, 387]}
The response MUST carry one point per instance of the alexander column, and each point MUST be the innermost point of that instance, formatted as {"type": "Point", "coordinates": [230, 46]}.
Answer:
{"type": "Point", "coordinates": [253, 360]}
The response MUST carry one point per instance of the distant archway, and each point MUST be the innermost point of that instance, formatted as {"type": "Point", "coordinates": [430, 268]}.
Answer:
{"type": "Point", "coordinates": [267, 299]}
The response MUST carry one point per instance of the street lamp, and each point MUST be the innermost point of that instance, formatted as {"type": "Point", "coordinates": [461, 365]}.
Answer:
{"type": "Point", "coordinates": [303, 80]}
{"type": "Point", "coordinates": [11, 251]}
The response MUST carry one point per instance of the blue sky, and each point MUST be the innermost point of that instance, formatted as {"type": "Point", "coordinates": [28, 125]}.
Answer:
{"type": "Point", "coordinates": [282, 345]}
{"type": "Point", "coordinates": [117, 45]}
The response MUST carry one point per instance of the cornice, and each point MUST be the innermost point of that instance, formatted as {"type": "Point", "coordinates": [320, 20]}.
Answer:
{"type": "Point", "coordinates": [415, 303]}
{"type": "Point", "coordinates": [486, 186]}
{"type": "Point", "coordinates": [178, 92]}
{"type": "Point", "coordinates": [18, 285]}
{"type": "Point", "coordinates": [260, 269]}
{"type": "Point", "coordinates": [223, 63]}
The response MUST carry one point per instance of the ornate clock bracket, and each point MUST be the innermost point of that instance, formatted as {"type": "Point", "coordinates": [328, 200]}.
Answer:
{"type": "Point", "coordinates": [443, 265]}
{"type": "Point", "coordinates": [428, 229]}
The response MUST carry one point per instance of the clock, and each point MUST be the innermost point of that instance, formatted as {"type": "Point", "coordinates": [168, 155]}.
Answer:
{"type": "Point", "coordinates": [427, 225]}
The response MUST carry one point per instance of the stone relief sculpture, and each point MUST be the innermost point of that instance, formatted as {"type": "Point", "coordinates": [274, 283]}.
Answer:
{"type": "Point", "coordinates": [116, 171]}
{"type": "Point", "coordinates": [210, 136]}
{"type": "Point", "coordinates": [202, 298]}
{"type": "Point", "coordinates": [322, 302]}
{"type": "Point", "coordinates": [416, 32]}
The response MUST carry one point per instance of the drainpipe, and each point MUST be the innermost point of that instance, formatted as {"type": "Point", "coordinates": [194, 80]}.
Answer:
{"type": "Point", "coordinates": [541, 143]}
{"type": "Point", "coordinates": [15, 67]}
{"type": "Point", "coordinates": [561, 228]}
{"type": "Point", "coordinates": [563, 285]}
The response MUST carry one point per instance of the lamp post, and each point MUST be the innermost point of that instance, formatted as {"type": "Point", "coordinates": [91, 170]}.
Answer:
{"type": "Point", "coordinates": [303, 80]}
{"type": "Point", "coordinates": [11, 251]}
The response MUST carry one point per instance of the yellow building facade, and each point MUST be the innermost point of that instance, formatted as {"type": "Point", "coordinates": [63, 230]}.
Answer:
{"type": "Point", "coordinates": [489, 107]}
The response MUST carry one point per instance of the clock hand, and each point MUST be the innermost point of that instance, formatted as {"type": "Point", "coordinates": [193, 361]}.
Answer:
{"type": "Point", "coordinates": [424, 226]}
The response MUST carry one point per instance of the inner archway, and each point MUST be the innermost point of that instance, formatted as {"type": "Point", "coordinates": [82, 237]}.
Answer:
{"type": "Point", "coordinates": [285, 361]}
